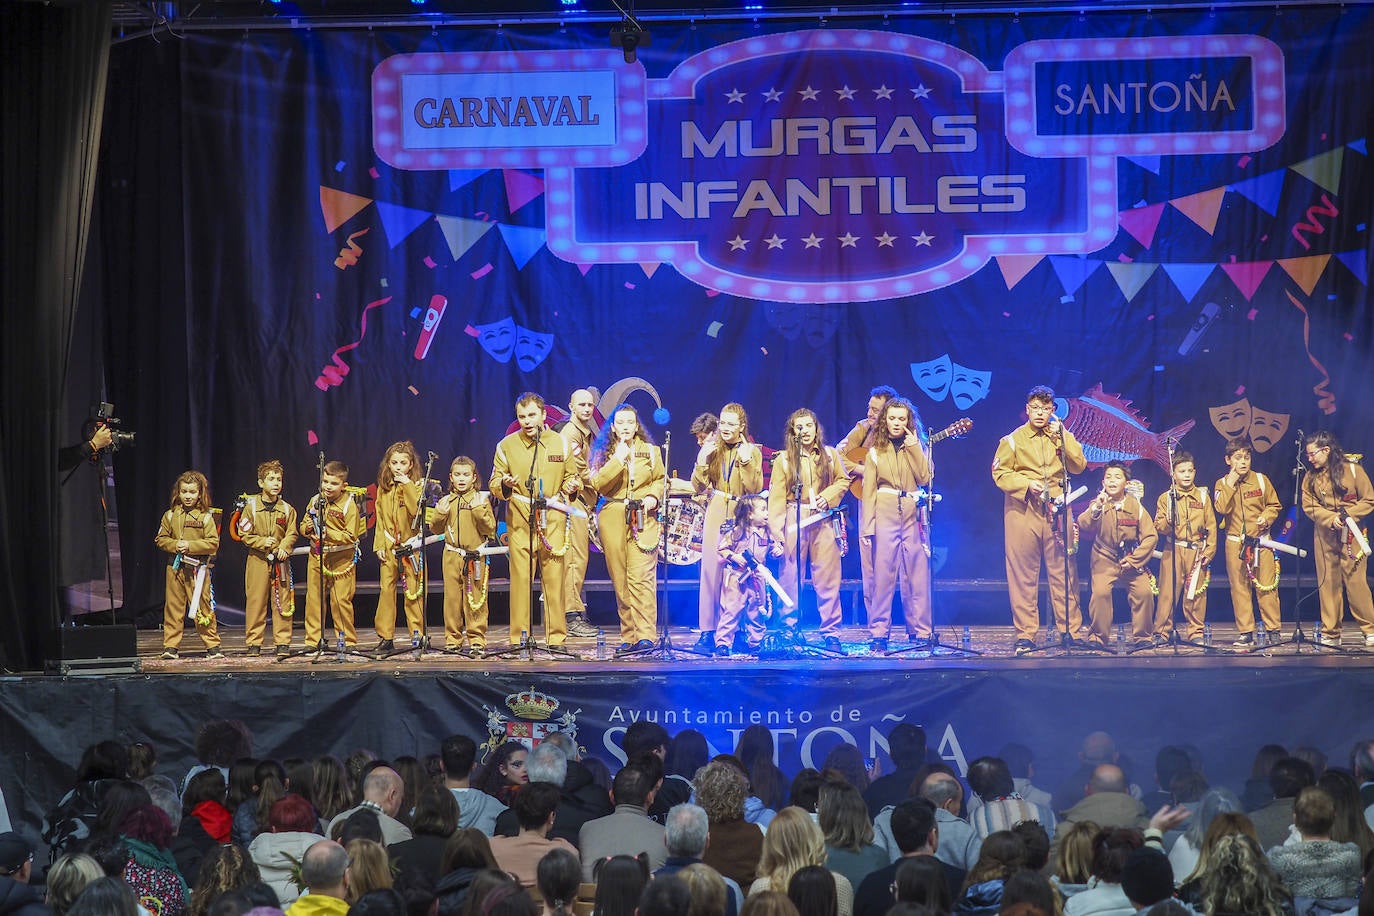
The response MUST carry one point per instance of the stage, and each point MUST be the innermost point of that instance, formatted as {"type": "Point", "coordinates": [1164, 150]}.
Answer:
{"type": "Point", "coordinates": [1226, 703]}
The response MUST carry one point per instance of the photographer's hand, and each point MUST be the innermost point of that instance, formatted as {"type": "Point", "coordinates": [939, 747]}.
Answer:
{"type": "Point", "coordinates": [101, 438]}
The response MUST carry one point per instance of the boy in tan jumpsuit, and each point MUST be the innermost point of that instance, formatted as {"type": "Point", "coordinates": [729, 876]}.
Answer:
{"type": "Point", "coordinates": [1029, 469]}
{"type": "Point", "coordinates": [189, 535]}
{"type": "Point", "coordinates": [340, 526]}
{"type": "Point", "coordinates": [1123, 538]}
{"type": "Point", "coordinates": [535, 451]}
{"type": "Point", "coordinates": [1248, 505]}
{"type": "Point", "coordinates": [465, 519]}
{"type": "Point", "coordinates": [267, 527]}
{"type": "Point", "coordinates": [1334, 490]}
{"type": "Point", "coordinates": [1191, 544]}
{"type": "Point", "coordinates": [823, 483]}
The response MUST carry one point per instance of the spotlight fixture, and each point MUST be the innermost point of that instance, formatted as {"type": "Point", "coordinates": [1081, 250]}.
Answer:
{"type": "Point", "coordinates": [628, 35]}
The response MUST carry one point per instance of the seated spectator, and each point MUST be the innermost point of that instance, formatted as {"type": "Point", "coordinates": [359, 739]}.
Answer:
{"type": "Point", "coordinates": [331, 793]}
{"type": "Point", "coordinates": [383, 901]}
{"type": "Point", "coordinates": [922, 880]}
{"type": "Point", "coordinates": [917, 835]}
{"type": "Point", "coordinates": [239, 791]}
{"type": "Point", "coordinates": [805, 792]}
{"type": "Point", "coordinates": [849, 846]}
{"type": "Point", "coordinates": [620, 880]}
{"type": "Point", "coordinates": [325, 872]}
{"type": "Point", "coordinates": [151, 870]}
{"type": "Point", "coordinates": [205, 821]}
{"type": "Point", "coordinates": [504, 774]}
{"type": "Point", "coordinates": [17, 897]}
{"type": "Point", "coordinates": [72, 820]}
{"type": "Point", "coordinates": [1103, 896]}
{"type": "Point", "coordinates": [105, 897]}
{"type": "Point", "coordinates": [224, 868]}
{"type": "Point", "coordinates": [1108, 801]}
{"type": "Point", "coordinates": [1003, 807]}
{"type": "Point", "coordinates": [1098, 748]}
{"type": "Point", "coordinates": [434, 821]}
{"type": "Point", "coordinates": [1313, 757]}
{"type": "Point", "coordinates": [142, 760]}
{"type": "Point", "coordinates": [686, 835]}
{"type": "Point", "coordinates": [466, 855]}
{"type": "Point", "coordinates": [1239, 879]}
{"type": "Point", "coordinates": [848, 760]}
{"type": "Point", "coordinates": [1257, 792]}
{"type": "Point", "coordinates": [793, 842]}
{"type": "Point", "coordinates": [959, 842]}
{"type": "Point", "coordinates": [1021, 762]}
{"type": "Point", "coordinates": [291, 825]}
{"type": "Point", "coordinates": [1288, 777]}
{"type": "Point", "coordinates": [1169, 763]}
{"type": "Point", "coordinates": [458, 753]}
{"type": "Point", "coordinates": [767, 786]}
{"type": "Point", "coordinates": [1147, 878]}
{"type": "Point", "coordinates": [1037, 842]}
{"type": "Point", "coordinates": [1073, 858]}
{"type": "Point", "coordinates": [906, 745]}
{"type": "Point", "coordinates": [1001, 856]}
{"type": "Point", "coordinates": [686, 754]}
{"type": "Point", "coordinates": [383, 792]}
{"type": "Point", "coordinates": [710, 897]}
{"type": "Point", "coordinates": [1317, 866]}
{"type": "Point", "coordinates": [250, 817]}
{"type": "Point", "coordinates": [558, 876]}
{"type": "Point", "coordinates": [1027, 892]}
{"type": "Point", "coordinates": [363, 824]}
{"type": "Point", "coordinates": [1223, 825]}
{"type": "Point", "coordinates": [736, 844]}
{"type": "Point", "coordinates": [1183, 854]}
{"type": "Point", "coordinates": [651, 738]}
{"type": "Point", "coordinates": [812, 890]}
{"type": "Point", "coordinates": [67, 878]}
{"type": "Point", "coordinates": [1350, 825]}
{"type": "Point", "coordinates": [219, 742]}
{"type": "Point", "coordinates": [369, 868]}
{"type": "Point", "coordinates": [628, 829]}
{"type": "Point", "coordinates": [668, 896]}
{"type": "Point", "coordinates": [534, 810]}
{"type": "Point", "coordinates": [579, 801]}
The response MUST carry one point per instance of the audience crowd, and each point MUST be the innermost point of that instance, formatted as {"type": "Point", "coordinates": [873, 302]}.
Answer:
{"type": "Point", "coordinates": [545, 831]}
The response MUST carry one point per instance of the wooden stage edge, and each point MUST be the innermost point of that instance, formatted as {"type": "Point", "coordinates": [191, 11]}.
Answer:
{"type": "Point", "coordinates": [993, 645]}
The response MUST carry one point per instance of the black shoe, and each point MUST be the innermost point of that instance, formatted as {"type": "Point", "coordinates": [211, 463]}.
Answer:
{"type": "Point", "coordinates": [170, 654]}
{"type": "Point", "coordinates": [741, 644]}
{"type": "Point", "coordinates": [877, 644]}
{"type": "Point", "coordinates": [722, 651]}
{"type": "Point", "coordinates": [385, 645]}
{"type": "Point", "coordinates": [214, 652]}
{"type": "Point", "coordinates": [283, 651]}
{"type": "Point", "coordinates": [253, 651]}
{"type": "Point", "coordinates": [1275, 636]}
{"type": "Point", "coordinates": [1246, 641]}
{"type": "Point", "coordinates": [706, 642]}
{"type": "Point", "coordinates": [796, 637]}
{"type": "Point", "coordinates": [1160, 639]}
{"type": "Point", "coordinates": [1138, 645]}
{"type": "Point", "coordinates": [623, 647]}
{"type": "Point", "coordinates": [918, 642]}
{"type": "Point", "coordinates": [833, 644]}
{"type": "Point", "coordinates": [1023, 647]}
{"type": "Point", "coordinates": [644, 644]}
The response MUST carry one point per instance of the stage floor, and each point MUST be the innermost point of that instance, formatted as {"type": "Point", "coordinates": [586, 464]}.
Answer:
{"type": "Point", "coordinates": [990, 647]}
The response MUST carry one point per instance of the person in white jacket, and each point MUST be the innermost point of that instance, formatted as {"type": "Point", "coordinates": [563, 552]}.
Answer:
{"type": "Point", "coordinates": [278, 852]}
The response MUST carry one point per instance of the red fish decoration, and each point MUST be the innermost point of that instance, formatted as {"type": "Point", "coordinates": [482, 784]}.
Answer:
{"type": "Point", "coordinates": [1111, 430]}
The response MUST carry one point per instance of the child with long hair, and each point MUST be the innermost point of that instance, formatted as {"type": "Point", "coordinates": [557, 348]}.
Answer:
{"type": "Point", "coordinates": [190, 537]}
{"type": "Point", "coordinates": [627, 471]}
{"type": "Point", "coordinates": [745, 602]}
{"type": "Point", "coordinates": [398, 503]}
{"type": "Point", "coordinates": [465, 518]}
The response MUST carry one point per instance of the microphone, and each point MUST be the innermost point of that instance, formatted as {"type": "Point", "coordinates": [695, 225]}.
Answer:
{"type": "Point", "coordinates": [1301, 440]}
{"type": "Point", "coordinates": [433, 456]}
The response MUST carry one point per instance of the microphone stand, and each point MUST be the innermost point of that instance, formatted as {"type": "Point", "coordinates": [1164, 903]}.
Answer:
{"type": "Point", "coordinates": [537, 504]}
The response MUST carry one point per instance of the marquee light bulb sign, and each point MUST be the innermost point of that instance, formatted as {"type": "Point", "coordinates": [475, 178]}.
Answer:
{"type": "Point", "coordinates": [831, 166]}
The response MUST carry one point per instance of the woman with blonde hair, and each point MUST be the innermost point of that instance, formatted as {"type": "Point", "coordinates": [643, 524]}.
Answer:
{"type": "Point", "coordinates": [68, 878]}
{"type": "Point", "coordinates": [1239, 879]}
{"type": "Point", "coordinates": [225, 868]}
{"type": "Point", "coordinates": [769, 903]}
{"type": "Point", "coordinates": [1073, 857]}
{"type": "Point", "coordinates": [709, 893]}
{"type": "Point", "coordinates": [370, 868]}
{"type": "Point", "coordinates": [1223, 826]}
{"type": "Point", "coordinates": [849, 846]}
{"type": "Point", "coordinates": [794, 841]}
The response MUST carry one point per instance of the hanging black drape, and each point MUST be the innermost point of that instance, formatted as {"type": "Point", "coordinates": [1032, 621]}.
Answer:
{"type": "Point", "coordinates": [53, 67]}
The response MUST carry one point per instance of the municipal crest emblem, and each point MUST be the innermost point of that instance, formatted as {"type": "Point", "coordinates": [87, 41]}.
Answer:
{"type": "Point", "coordinates": [532, 719]}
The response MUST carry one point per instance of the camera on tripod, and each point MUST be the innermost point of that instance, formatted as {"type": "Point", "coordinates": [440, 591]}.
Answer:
{"type": "Point", "coordinates": [103, 415]}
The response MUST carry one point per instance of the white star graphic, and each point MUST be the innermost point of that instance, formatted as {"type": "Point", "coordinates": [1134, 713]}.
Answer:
{"type": "Point", "coordinates": [923, 239]}
{"type": "Point", "coordinates": [882, 92]}
{"type": "Point", "coordinates": [812, 241]}
{"type": "Point", "coordinates": [772, 95]}
{"type": "Point", "coordinates": [849, 241]}
{"type": "Point", "coordinates": [846, 93]}
{"type": "Point", "coordinates": [774, 242]}
{"type": "Point", "coordinates": [738, 244]}
{"type": "Point", "coordinates": [734, 95]}
{"type": "Point", "coordinates": [921, 92]}
{"type": "Point", "coordinates": [808, 93]}
{"type": "Point", "coordinates": [885, 240]}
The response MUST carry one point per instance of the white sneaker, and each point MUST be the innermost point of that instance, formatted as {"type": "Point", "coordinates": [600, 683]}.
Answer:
{"type": "Point", "coordinates": [1369, 640]}
{"type": "Point", "coordinates": [1324, 640]}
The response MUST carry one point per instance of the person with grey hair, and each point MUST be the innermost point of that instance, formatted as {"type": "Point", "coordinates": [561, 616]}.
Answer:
{"type": "Point", "coordinates": [324, 872]}
{"type": "Point", "coordinates": [1108, 802]}
{"type": "Point", "coordinates": [1183, 855]}
{"type": "Point", "coordinates": [959, 842]}
{"type": "Point", "coordinates": [686, 834]}
{"type": "Point", "coordinates": [1362, 765]}
{"type": "Point", "coordinates": [581, 799]}
{"type": "Point", "coordinates": [383, 792]}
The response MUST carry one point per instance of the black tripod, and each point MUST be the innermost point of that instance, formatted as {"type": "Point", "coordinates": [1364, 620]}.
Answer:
{"type": "Point", "coordinates": [538, 506]}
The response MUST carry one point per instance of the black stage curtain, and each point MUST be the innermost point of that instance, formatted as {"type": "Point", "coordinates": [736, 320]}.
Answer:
{"type": "Point", "coordinates": [53, 66]}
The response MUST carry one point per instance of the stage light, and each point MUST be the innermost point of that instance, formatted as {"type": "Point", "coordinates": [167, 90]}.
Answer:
{"type": "Point", "coordinates": [629, 37]}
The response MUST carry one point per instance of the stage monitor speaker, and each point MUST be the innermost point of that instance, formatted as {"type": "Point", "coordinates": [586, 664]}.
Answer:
{"type": "Point", "coordinates": [95, 650]}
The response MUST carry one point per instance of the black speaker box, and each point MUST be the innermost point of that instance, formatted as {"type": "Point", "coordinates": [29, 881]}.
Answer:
{"type": "Point", "coordinates": [109, 649]}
